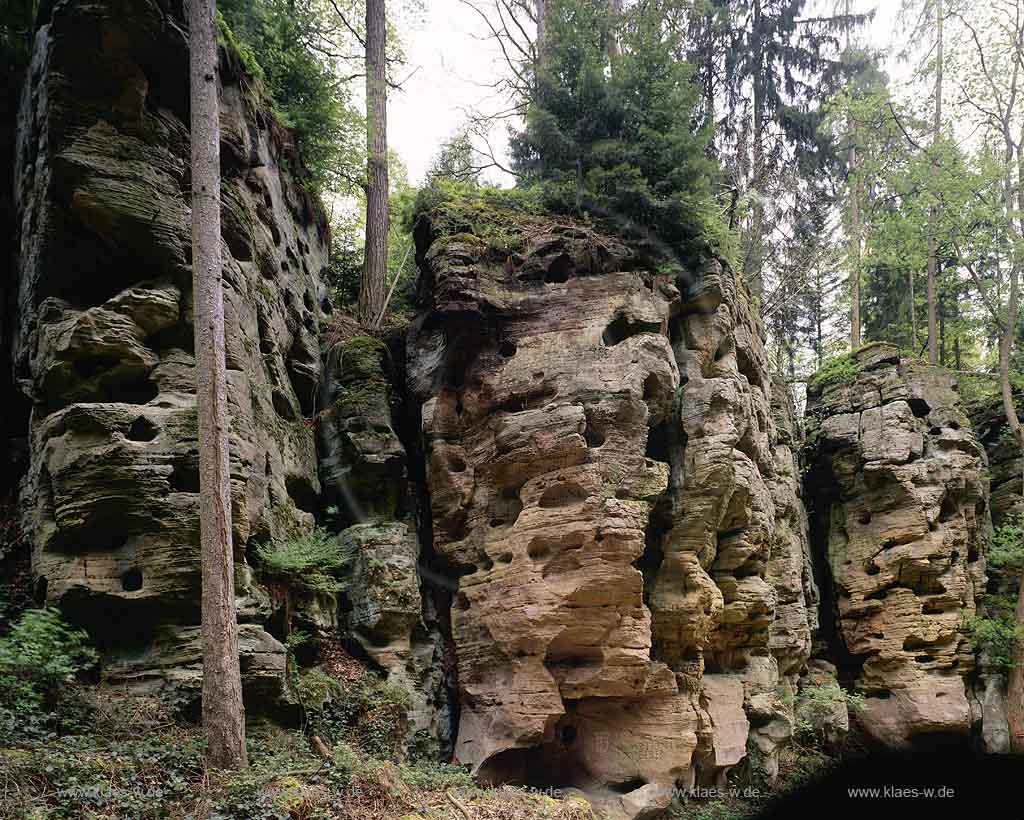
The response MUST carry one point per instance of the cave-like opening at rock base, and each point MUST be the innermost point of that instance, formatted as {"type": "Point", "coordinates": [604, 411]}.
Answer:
{"type": "Point", "coordinates": [551, 766]}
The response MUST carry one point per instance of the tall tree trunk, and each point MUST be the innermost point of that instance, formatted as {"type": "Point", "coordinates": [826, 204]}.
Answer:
{"type": "Point", "coordinates": [372, 284]}
{"type": "Point", "coordinates": [755, 252]}
{"type": "Point", "coordinates": [1015, 688]}
{"type": "Point", "coordinates": [913, 313]}
{"type": "Point", "coordinates": [933, 341]}
{"type": "Point", "coordinates": [223, 712]}
{"type": "Point", "coordinates": [942, 329]}
{"type": "Point", "coordinates": [615, 11]}
{"type": "Point", "coordinates": [541, 11]}
{"type": "Point", "coordinates": [854, 222]}
{"type": "Point", "coordinates": [855, 340]}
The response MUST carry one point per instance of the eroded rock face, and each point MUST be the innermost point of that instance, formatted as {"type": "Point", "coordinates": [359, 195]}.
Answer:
{"type": "Point", "coordinates": [103, 344]}
{"type": "Point", "coordinates": [1004, 458]}
{"type": "Point", "coordinates": [605, 476]}
{"type": "Point", "coordinates": [897, 478]}
{"type": "Point", "coordinates": [374, 502]}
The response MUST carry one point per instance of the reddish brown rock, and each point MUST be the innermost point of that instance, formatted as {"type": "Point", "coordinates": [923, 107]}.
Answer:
{"type": "Point", "coordinates": [605, 478]}
{"type": "Point", "coordinates": [898, 482]}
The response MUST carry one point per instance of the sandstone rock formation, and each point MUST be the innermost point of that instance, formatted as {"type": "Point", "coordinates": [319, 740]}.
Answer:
{"type": "Point", "coordinates": [605, 475]}
{"type": "Point", "coordinates": [374, 501]}
{"type": "Point", "coordinates": [898, 486]}
{"type": "Point", "coordinates": [103, 342]}
{"type": "Point", "coordinates": [1004, 458]}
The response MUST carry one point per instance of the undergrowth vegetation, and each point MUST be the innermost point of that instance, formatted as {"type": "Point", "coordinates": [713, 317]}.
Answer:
{"type": "Point", "coordinates": [993, 629]}
{"type": "Point", "coordinates": [315, 560]}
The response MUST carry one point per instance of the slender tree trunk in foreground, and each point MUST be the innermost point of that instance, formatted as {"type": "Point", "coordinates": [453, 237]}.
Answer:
{"type": "Point", "coordinates": [1015, 688]}
{"type": "Point", "coordinates": [372, 284]}
{"type": "Point", "coordinates": [913, 314]}
{"type": "Point", "coordinates": [223, 713]}
{"type": "Point", "coordinates": [854, 225]}
{"type": "Point", "coordinates": [933, 337]}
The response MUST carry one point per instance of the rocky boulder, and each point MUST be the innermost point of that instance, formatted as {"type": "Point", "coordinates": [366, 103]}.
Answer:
{"type": "Point", "coordinates": [103, 343]}
{"type": "Point", "coordinates": [605, 473]}
{"type": "Point", "coordinates": [898, 484]}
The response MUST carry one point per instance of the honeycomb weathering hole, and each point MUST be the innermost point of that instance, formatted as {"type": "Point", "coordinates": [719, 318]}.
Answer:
{"type": "Point", "coordinates": [562, 495]}
{"type": "Point", "coordinates": [131, 581]}
{"type": "Point", "coordinates": [142, 429]}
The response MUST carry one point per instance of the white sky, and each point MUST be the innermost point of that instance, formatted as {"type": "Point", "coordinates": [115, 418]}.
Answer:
{"type": "Point", "coordinates": [454, 64]}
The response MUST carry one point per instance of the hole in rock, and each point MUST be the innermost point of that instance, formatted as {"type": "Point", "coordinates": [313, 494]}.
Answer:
{"type": "Point", "coordinates": [949, 509]}
{"type": "Point", "coordinates": [873, 569]}
{"type": "Point", "coordinates": [659, 440]}
{"type": "Point", "coordinates": [621, 329]}
{"type": "Point", "coordinates": [559, 270]}
{"type": "Point", "coordinates": [507, 349]}
{"type": "Point", "coordinates": [538, 548]}
{"type": "Point", "coordinates": [131, 581]}
{"type": "Point", "coordinates": [568, 735]}
{"type": "Point", "coordinates": [302, 494]}
{"type": "Point", "coordinates": [185, 477]}
{"type": "Point", "coordinates": [88, 366]}
{"type": "Point", "coordinates": [132, 392]}
{"type": "Point", "coordinates": [723, 350]}
{"type": "Point", "coordinates": [282, 406]}
{"type": "Point", "coordinates": [551, 766]}
{"type": "Point", "coordinates": [505, 558]}
{"type": "Point", "coordinates": [919, 407]}
{"type": "Point", "coordinates": [864, 517]}
{"type": "Point", "coordinates": [456, 464]}
{"type": "Point", "coordinates": [39, 591]}
{"type": "Point", "coordinates": [562, 495]}
{"type": "Point", "coordinates": [592, 432]}
{"type": "Point", "coordinates": [627, 786]}
{"type": "Point", "coordinates": [142, 429]}
{"type": "Point", "coordinates": [307, 300]}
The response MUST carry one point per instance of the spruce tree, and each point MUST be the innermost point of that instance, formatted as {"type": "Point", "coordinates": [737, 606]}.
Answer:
{"type": "Point", "coordinates": [611, 130]}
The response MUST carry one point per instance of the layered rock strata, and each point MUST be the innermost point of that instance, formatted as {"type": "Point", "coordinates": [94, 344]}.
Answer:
{"type": "Point", "coordinates": [103, 345]}
{"type": "Point", "coordinates": [898, 484]}
{"type": "Point", "coordinates": [605, 476]}
{"type": "Point", "coordinates": [372, 494]}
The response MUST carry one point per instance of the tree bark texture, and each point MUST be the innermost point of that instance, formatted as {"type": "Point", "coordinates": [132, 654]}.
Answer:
{"type": "Point", "coordinates": [372, 284]}
{"type": "Point", "coordinates": [933, 336]}
{"type": "Point", "coordinates": [223, 712]}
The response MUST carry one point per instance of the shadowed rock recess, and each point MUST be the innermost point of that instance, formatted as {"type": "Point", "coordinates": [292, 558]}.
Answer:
{"type": "Point", "coordinates": [571, 495]}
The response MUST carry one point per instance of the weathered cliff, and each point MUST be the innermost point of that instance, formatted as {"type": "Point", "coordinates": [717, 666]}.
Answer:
{"type": "Point", "coordinates": [103, 343]}
{"type": "Point", "coordinates": [611, 491]}
{"type": "Point", "coordinates": [900, 499]}
{"type": "Point", "coordinates": [572, 494]}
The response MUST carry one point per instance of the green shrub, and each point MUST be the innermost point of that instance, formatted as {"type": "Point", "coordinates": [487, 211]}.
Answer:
{"type": "Point", "coordinates": [39, 659]}
{"type": "Point", "coordinates": [484, 214]}
{"type": "Point", "coordinates": [280, 43]}
{"type": "Point", "coordinates": [1006, 545]}
{"type": "Point", "coordinates": [995, 632]}
{"type": "Point", "coordinates": [814, 704]}
{"type": "Point", "coordinates": [428, 775]}
{"type": "Point", "coordinates": [314, 560]}
{"type": "Point", "coordinates": [369, 714]}
{"type": "Point", "coordinates": [841, 369]}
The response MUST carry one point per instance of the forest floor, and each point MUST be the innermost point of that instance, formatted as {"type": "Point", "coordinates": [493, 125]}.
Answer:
{"type": "Point", "coordinates": [135, 762]}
